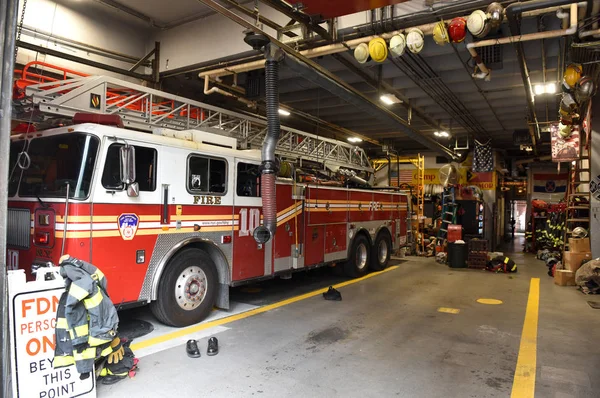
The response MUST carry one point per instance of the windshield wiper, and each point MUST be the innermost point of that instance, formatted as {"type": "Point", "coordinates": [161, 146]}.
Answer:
{"type": "Point", "coordinates": [44, 205]}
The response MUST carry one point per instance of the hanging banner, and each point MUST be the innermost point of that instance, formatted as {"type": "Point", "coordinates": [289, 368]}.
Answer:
{"type": "Point", "coordinates": [550, 183]}
{"type": "Point", "coordinates": [33, 319]}
{"type": "Point", "coordinates": [486, 181]}
{"type": "Point", "coordinates": [564, 149]}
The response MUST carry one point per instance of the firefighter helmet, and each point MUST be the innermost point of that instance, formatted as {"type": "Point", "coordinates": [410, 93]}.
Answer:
{"type": "Point", "coordinates": [495, 14]}
{"type": "Point", "coordinates": [564, 130]}
{"type": "Point", "coordinates": [579, 232]}
{"type": "Point", "coordinates": [477, 24]}
{"type": "Point", "coordinates": [397, 44]}
{"type": "Point", "coordinates": [457, 29]}
{"type": "Point", "coordinates": [572, 75]}
{"type": "Point", "coordinates": [584, 89]}
{"type": "Point", "coordinates": [440, 33]}
{"type": "Point", "coordinates": [378, 49]}
{"type": "Point", "coordinates": [361, 53]}
{"type": "Point", "coordinates": [415, 40]}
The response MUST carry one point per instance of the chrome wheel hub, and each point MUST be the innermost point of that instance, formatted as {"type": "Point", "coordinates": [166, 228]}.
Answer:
{"type": "Point", "coordinates": [361, 256]}
{"type": "Point", "coordinates": [190, 288]}
{"type": "Point", "coordinates": [382, 251]}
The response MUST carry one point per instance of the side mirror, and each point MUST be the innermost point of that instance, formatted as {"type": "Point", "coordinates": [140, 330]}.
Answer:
{"type": "Point", "coordinates": [127, 161]}
{"type": "Point", "coordinates": [133, 190]}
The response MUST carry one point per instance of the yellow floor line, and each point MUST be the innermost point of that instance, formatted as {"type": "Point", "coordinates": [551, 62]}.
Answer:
{"type": "Point", "coordinates": [449, 310]}
{"type": "Point", "coordinates": [247, 314]}
{"type": "Point", "coordinates": [524, 382]}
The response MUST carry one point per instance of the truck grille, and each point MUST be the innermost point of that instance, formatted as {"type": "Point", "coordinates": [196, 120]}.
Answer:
{"type": "Point", "coordinates": [19, 227]}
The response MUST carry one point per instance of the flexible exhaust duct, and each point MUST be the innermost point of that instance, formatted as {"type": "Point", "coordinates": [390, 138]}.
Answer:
{"type": "Point", "coordinates": [269, 167]}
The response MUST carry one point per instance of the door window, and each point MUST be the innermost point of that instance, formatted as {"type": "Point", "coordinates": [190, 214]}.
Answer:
{"type": "Point", "coordinates": [145, 168]}
{"type": "Point", "coordinates": [248, 180]}
{"type": "Point", "coordinates": [206, 175]}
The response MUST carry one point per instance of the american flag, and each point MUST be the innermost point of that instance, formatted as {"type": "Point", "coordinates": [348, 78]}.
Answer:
{"type": "Point", "coordinates": [406, 177]}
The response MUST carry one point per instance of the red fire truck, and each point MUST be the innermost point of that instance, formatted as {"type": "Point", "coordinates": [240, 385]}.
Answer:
{"type": "Point", "coordinates": [169, 217]}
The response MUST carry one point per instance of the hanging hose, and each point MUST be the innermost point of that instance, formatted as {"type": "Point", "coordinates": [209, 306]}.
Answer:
{"type": "Point", "coordinates": [269, 166]}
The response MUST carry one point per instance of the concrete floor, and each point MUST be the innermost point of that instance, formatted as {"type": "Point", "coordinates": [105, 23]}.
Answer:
{"type": "Point", "coordinates": [387, 338]}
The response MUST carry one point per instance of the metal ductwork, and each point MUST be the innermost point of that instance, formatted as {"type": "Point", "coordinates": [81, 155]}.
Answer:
{"type": "Point", "coordinates": [269, 167]}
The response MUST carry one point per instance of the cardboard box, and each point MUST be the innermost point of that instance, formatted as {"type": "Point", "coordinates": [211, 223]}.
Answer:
{"type": "Point", "coordinates": [572, 260]}
{"type": "Point", "coordinates": [564, 277]}
{"type": "Point", "coordinates": [428, 221]}
{"type": "Point", "coordinates": [579, 245]}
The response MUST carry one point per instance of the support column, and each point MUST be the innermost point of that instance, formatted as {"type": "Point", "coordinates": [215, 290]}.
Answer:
{"type": "Point", "coordinates": [8, 28]}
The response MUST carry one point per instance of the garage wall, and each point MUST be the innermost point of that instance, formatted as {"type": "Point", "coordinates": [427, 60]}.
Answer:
{"type": "Point", "coordinates": [207, 39]}
{"type": "Point", "coordinates": [84, 22]}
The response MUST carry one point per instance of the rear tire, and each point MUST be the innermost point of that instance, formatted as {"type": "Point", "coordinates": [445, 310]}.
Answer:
{"type": "Point", "coordinates": [358, 262]}
{"type": "Point", "coordinates": [187, 289]}
{"type": "Point", "coordinates": [382, 249]}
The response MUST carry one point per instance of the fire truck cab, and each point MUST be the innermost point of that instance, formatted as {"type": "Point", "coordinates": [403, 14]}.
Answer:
{"type": "Point", "coordinates": [169, 217]}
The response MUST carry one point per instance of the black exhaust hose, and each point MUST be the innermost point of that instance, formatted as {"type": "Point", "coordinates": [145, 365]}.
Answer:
{"type": "Point", "coordinates": [269, 165]}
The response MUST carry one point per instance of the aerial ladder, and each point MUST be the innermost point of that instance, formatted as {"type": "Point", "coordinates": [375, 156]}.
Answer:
{"type": "Point", "coordinates": [41, 96]}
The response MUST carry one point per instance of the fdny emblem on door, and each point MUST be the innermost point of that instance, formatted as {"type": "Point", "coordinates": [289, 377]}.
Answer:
{"type": "Point", "coordinates": [128, 225]}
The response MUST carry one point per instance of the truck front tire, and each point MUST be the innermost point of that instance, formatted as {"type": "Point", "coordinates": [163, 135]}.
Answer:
{"type": "Point", "coordinates": [187, 289]}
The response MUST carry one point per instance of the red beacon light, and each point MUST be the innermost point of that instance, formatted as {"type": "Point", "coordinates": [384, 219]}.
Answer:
{"type": "Point", "coordinates": [106, 120]}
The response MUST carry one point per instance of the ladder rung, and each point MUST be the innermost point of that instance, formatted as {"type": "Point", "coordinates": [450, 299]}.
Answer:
{"type": "Point", "coordinates": [578, 208]}
{"type": "Point", "coordinates": [580, 194]}
{"type": "Point", "coordinates": [447, 221]}
{"type": "Point", "coordinates": [578, 220]}
{"type": "Point", "coordinates": [449, 212]}
{"type": "Point", "coordinates": [580, 182]}
{"type": "Point", "coordinates": [444, 230]}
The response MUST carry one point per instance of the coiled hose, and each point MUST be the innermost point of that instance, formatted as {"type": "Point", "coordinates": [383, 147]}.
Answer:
{"type": "Point", "coordinates": [269, 165]}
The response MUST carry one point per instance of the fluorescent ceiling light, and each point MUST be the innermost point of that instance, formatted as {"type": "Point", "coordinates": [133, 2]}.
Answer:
{"type": "Point", "coordinates": [354, 139]}
{"type": "Point", "coordinates": [548, 88]}
{"type": "Point", "coordinates": [443, 134]}
{"type": "Point", "coordinates": [284, 112]}
{"type": "Point", "coordinates": [539, 89]}
{"type": "Point", "coordinates": [390, 99]}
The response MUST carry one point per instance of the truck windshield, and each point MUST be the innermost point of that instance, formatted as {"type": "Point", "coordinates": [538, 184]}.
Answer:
{"type": "Point", "coordinates": [13, 169]}
{"type": "Point", "coordinates": [57, 162]}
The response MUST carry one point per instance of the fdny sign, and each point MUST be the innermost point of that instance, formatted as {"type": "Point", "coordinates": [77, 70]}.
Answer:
{"type": "Point", "coordinates": [128, 225]}
{"type": "Point", "coordinates": [33, 308]}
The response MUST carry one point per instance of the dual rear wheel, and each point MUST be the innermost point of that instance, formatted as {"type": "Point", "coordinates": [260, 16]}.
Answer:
{"type": "Point", "coordinates": [363, 256]}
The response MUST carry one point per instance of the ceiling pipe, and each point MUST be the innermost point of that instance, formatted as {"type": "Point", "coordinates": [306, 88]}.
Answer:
{"type": "Point", "coordinates": [215, 89]}
{"type": "Point", "coordinates": [333, 84]}
{"type": "Point", "coordinates": [329, 49]}
{"type": "Point", "coordinates": [485, 73]}
{"type": "Point", "coordinates": [513, 13]}
{"type": "Point", "coordinates": [532, 36]}
{"type": "Point", "coordinates": [588, 33]}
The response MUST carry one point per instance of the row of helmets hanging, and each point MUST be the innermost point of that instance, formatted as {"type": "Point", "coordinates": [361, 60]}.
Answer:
{"type": "Point", "coordinates": [377, 49]}
{"type": "Point", "coordinates": [479, 24]}
{"type": "Point", "coordinates": [577, 88]}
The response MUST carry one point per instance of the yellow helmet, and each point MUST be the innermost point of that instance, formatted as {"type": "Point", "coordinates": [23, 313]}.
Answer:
{"type": "Point", "coordinates": [378, 49]}
{"type": "Point", "coordinates": [572, 74]}
{"type": "Point", "coordinates": [440, 33]}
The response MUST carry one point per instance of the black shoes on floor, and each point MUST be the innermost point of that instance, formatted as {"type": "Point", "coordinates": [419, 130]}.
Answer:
{"type": "Point", "coordinates": [192, 350]}
{"type": "Point", "coordinates": [332, 294]}
{"type": "Point", "coordinates": [213, 347]}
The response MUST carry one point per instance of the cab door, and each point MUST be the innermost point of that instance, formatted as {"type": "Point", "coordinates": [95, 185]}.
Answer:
{"type": "Point", "coordinates": [248, 256]}
{"type": "Point", "coordinates": [125, 228]}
